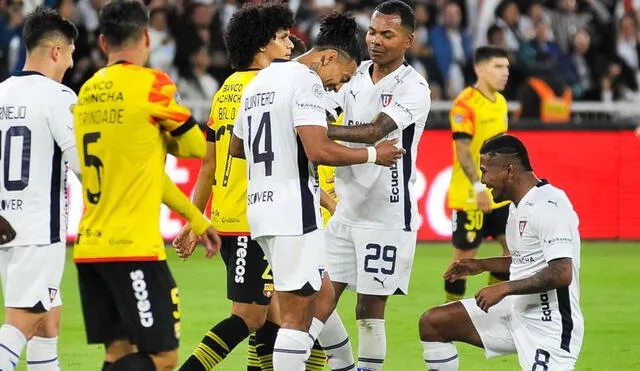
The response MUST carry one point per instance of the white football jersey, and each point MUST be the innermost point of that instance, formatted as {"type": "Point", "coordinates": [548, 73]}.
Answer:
{"type": "Point", "coordinates": [544, 227]}
{"type": "Point", "coordinates": [36, 126]}
{"type": "Point", "coordinates": [372, 196]}
{"type": "Point", "coordinates": [283, 195]}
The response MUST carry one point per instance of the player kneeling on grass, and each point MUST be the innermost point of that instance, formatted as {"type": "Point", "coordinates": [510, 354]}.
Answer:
{"type": "Point", "coordinates": [536, 314]}
{"type": "Point", "coordinates": [37, 134]}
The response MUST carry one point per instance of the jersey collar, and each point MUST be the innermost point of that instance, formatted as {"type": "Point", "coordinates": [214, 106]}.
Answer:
{"type": "Point", "coordinates": [542, 182]}
{"type": "Point", "coordinates": [27, 73]}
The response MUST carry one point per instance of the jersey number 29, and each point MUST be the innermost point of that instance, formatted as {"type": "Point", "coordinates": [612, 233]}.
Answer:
{"type": "Point", "coordinates": [264, 130]}
{"type": "Point", "coordinates": [15, 132]}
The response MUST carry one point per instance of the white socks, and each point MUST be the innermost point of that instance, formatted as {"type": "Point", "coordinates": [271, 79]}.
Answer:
{"type": "Point", "coordinates": [316, 328]}
{"type": "Point", "coordinates": [42, 354]}
{"type": "Point", "coordinates": [372, 344]}
{"type": "Point", "coordinates": [335, 342]}
{"type": "Point", "coordinates": [11, 343]}
{"type": "Point", "coordinates": [291, 350]}
{"type": "Point", "coordinates": [440, 356]}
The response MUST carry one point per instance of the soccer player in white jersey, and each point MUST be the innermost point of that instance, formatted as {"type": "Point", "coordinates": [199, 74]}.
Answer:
{"type": "Point", "coordinates": [36, 136]}
{"type": "Point", "coordinates": [283, 124]}
{"type": "Point", "coordinates": [537, 314]}
{"type": "Point", "coordinates": [371, 238]}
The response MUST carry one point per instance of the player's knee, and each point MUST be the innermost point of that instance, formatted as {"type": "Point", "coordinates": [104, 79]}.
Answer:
{"type": "Point", "coordinates": [370, 306]}
{"type": "Point", "coordinates": [253, 315]}
{"type": "Point", "coordinates": [430, 324]}
{"type": "Point", "coordinates": [166, 361]}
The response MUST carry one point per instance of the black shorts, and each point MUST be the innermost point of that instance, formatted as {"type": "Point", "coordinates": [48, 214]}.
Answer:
{"type": "Point", "coordinates": [137, 301]}
{"type": "Point", "coordinates": [249, 278]}
{"type": "Point", "coordinates": [471, 227]}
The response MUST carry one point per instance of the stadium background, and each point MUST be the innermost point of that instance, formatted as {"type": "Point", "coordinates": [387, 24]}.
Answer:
{"type": "Point", "coordinates": [590, 46]}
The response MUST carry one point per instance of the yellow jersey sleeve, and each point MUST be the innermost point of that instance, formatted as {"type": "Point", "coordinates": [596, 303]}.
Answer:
{"type": "Point", "coordinates": [165, 110]}
{"type": "Point", "coordinates": [462, 119]}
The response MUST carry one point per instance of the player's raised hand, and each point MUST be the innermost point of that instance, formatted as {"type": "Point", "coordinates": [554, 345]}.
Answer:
{"type": "Point", "coordinates": [7, 234]}
{"type": "Point", "coordinates": [491, 295]}
{"type": "Point", "coordinates": [185, 242]}
{"type": "Point", "coordinates": [387, 153]}
{"type": "Point", "coordinates": [484, 201]}
{"type": "Point", "coordinates": [462, 268]}
{"type": "Point", "coordinates": [211, 241]}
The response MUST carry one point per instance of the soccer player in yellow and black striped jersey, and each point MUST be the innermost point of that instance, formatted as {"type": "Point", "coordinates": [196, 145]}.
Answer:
{"type": "Point", "coordinates": [126, 120]}
{"type": "Point", "coordinates": [478, 114]}
{"type": "Point", "coordinates": [256, 35]}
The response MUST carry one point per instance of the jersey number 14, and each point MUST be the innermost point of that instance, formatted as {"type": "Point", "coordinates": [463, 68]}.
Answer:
{"type": "Point", "coordinates": [264, 130]}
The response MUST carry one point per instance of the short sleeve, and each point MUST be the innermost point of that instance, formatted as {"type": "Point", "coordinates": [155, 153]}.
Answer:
{"type": "Point", "coordinates": [309, 101]}
{"type": "Point", "coordinates": [408, 104]}
{"type": "Point", "coordinates": [61, 119]}
{"type": "Point", "coordinates": [462, 120]}
{"type": "Point", "coordinates": [166, 110]}
{"type": "Point", "coordinates": [238, 129]}
{"type": "Point", "coordinates": [556, 224]}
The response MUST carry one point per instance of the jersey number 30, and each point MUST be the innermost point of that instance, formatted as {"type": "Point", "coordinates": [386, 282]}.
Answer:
{"type": "Point", "coordinates": [264, 130]}
{"type": "Point", "coordinates": [15, 132]}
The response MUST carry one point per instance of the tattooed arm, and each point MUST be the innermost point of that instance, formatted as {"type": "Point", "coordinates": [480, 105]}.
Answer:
{"type": "Point", "coordinates": [380, 126]}
{"type": "Point", "coordinates": [466, 161]}
{"type": "Point", "coordinates": [557, 274]}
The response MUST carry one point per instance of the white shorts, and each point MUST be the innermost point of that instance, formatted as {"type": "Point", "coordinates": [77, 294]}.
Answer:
{"type": "Point", "coordinates": [32, 275]}
{"type": "Point", "coordinates": [295, 260]}
{"type": "Point", "coordinates": [504, 332]}
{"type": "Point", "coordinates": [370, 261]}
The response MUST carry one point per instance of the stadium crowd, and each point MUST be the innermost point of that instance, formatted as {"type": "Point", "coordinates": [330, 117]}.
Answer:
{"type": "Point", "coordinates": [591, 47]}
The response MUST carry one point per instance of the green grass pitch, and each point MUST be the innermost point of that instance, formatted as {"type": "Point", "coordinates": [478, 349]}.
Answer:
{"type": "Point", "coordinates": [609, 298]}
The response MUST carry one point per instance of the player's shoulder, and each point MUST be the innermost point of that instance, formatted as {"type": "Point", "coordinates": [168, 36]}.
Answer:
{"type": "Point", "coordinates": [409, 76]}
{"type": "Point", "coordinates": [465, 97]}
{"type": "Point", "coordinates": [549, 201]}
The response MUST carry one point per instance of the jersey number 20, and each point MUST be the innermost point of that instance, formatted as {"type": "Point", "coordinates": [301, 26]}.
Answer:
{"type": "Point", "coordinates": [23, 181]}
{"type": "Point", "coordinates": [264, 130]}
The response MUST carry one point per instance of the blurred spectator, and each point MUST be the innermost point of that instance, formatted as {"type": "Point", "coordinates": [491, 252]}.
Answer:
{"type": "Point", "coordinates": [420, 56]}
{"type": "Point", "coordinates": [197, 83]}
{"type": "Point", "coordinates": [12, 49]}
{"type": "Point", "coordinates": [569, 19]}
{"type": "Point", "coordinates": [496, 37]}
{"type": "Point", "coordinates": [627, 45]}
{"type": "Point", "coordinates": [508, 19]}
{"type": "Point", "coordinates": [545, 97]}
{"type": "Point", "coordinates": [616, 84]}
{"type": "Point", "coordinates": [536, 12]}
{"type": "Point", "coordinates": [486, 17]}
{"type": "Point", "coordinates": [582, 75]}
{"type": "Point", "coordinates": [452, 49]}
{"type": "Point", "coordinates": [162, 47]}
{"type": "Point", "coordinates": [539, 54]}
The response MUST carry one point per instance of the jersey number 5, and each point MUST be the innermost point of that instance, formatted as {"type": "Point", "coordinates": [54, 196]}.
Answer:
{"type": "Point", "coordinates": [23, 181]}
{"type": "Point", "coordinates": [92, 161]}
{"type": "Point", "coordinates": [264, 130]}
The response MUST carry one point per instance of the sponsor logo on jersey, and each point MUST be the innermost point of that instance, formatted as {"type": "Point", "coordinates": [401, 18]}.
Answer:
{"type": "Point", "coordinates": [458, 118]}
{"type": "Point", "coordinates": [546, 307]}
{"type": "Point", "coordinates": [318, 91]}
{"type": "Point", "coordinates": [267, 290]}
{"type": "Point", "coordinates": [241, 262]}
{"type": "Point", "coordinates": [471, 236]}
{"type": "Point", "coordinates": [386, 99]}
{"type": "Point", "coordinates": [141, 294]}
{"type": "Point", "coordinates": [522, 226]}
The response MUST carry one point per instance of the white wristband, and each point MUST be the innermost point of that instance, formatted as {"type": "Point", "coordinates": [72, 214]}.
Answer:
{"type": "Point", "coordinates": [479, 187]}
{"type": "Point", "coordinates": [372, 155]}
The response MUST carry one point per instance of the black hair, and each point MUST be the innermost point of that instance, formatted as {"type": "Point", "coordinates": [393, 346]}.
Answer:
{"type": "Point", "coordinates": [44, 23]}
{"type": "Point", "coordinates": [401, 9]}
{"type": "Point", "coordinates": [507, 145]}
{"type": "Point", "coordinates": [339, 31]}
{"type": "Point", "coordinates": [299, 46]}
{"type": "Point", "coordinates": [121, 21]}
{"type": "Point", "coordinates": [486, 53]}
{"type": "Point", "coordinates": [502, 6]}
{"type": "Point", "coordinates": [251, 28]}
{"type": "Point", "coordinates": [494, 29]}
